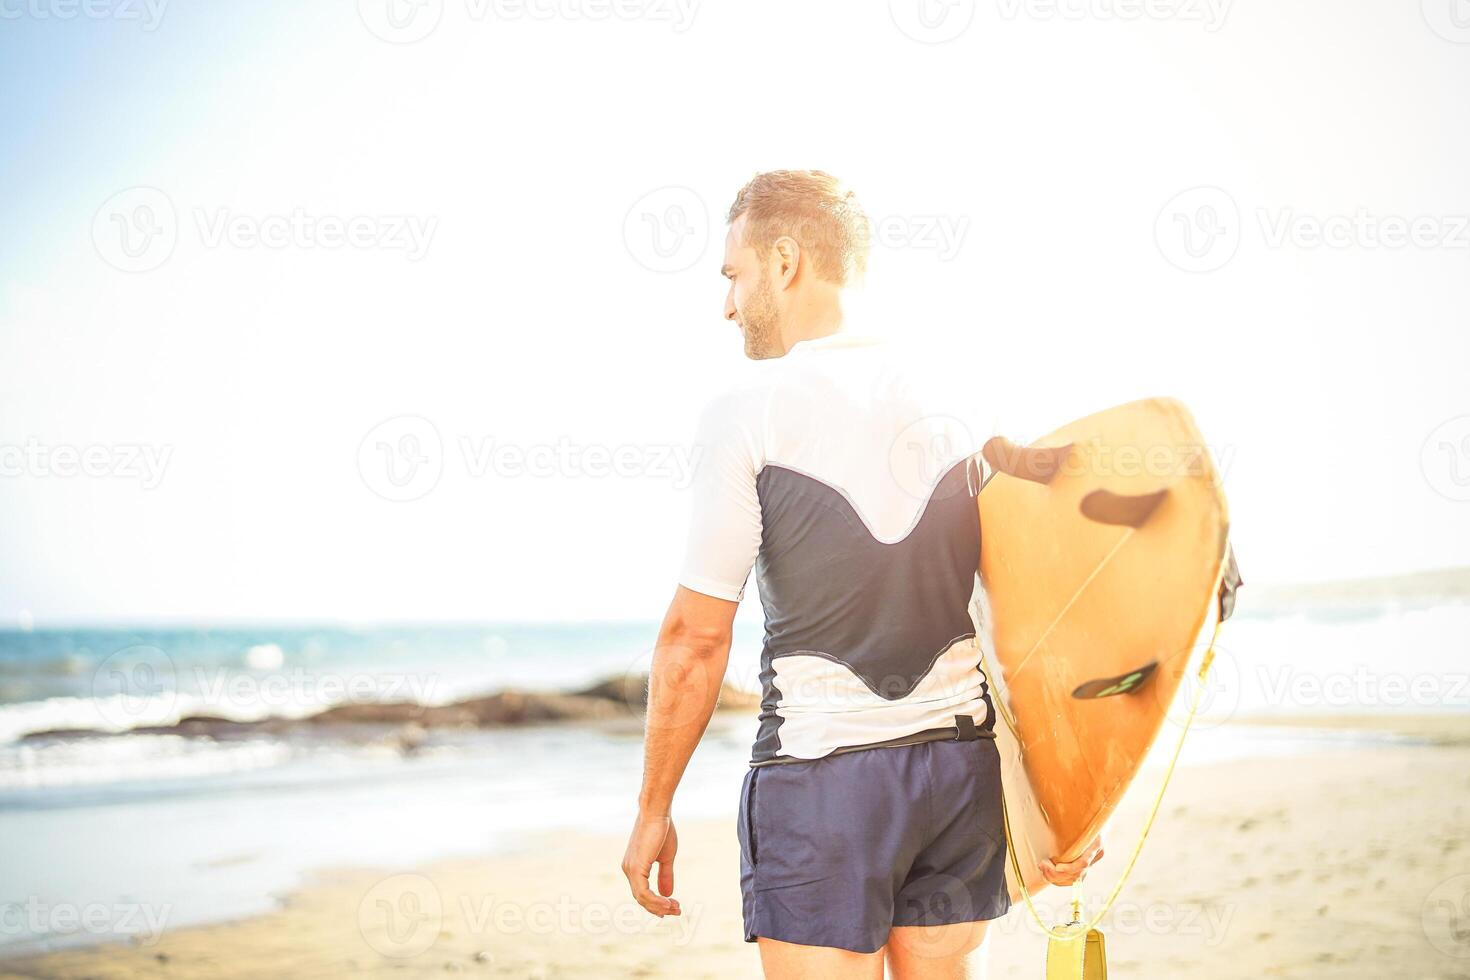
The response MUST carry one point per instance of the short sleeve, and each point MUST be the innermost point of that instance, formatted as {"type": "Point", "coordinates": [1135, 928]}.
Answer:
{"type": "Point", "coordinates": [725, 515]}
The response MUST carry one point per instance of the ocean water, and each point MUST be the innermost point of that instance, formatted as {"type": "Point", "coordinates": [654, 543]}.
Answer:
{"type": "Point", "coordinates": [190, 829]}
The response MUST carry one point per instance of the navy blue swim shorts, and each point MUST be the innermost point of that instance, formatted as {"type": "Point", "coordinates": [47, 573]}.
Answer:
{"type": "Point", "coordinates": [837, 851]}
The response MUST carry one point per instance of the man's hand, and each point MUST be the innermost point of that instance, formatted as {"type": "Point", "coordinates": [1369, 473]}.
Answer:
{"type": "Point", "coordinates": [654, 840]}
{"type": "Point", "coordinates": [1071, 872]}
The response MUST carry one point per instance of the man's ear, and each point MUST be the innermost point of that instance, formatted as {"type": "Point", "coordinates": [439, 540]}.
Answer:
{"type": "Point", "coordinates": [788, 259]}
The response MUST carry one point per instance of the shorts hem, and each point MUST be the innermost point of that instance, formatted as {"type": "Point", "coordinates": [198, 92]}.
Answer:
{"type": "Point", "coordinates": [851, 945]}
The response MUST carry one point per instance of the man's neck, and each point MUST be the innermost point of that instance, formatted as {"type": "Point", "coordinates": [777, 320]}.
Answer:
{"type": "Point", "coordinates": [822, 322]}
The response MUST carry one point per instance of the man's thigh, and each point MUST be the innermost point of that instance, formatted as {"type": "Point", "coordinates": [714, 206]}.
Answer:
{"type": "Point", "coordinates": [949, 952]}
{"type": "Point", "coordinates": [789, 961]}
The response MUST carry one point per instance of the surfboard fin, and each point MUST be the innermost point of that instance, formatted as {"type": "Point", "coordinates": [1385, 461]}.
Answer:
{"type": "Point", "coordinates": [1124, 510]}
{"type": "Point", "coordinates": [1038, 464]}
{"type": "Point", "coordinates": [1230, 581]}
{"type": "Point", "coordinates": [1107, 687]}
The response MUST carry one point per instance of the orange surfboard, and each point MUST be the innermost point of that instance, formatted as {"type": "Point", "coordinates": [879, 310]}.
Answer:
{"type": "Point", "coordinates": [1103, 554]}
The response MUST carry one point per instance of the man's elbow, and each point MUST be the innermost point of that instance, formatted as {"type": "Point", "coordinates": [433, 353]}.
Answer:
{"type": "Point", "coordinates": [695, 641]}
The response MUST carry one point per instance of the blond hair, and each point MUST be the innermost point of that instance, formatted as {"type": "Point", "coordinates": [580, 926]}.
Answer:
{"type": "Point", "coordinates": [815, 210]}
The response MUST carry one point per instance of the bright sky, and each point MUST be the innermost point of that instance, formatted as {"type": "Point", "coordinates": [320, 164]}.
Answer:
{"type": "Point", "coordinates": [532, 201]}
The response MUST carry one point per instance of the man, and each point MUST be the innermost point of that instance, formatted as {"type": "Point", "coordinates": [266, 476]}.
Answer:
{"type": "Point", "coordinates": [870, 821]}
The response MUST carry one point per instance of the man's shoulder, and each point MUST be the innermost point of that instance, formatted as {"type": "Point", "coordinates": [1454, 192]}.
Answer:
{"type": "Point", "coordinates": [740, 397]}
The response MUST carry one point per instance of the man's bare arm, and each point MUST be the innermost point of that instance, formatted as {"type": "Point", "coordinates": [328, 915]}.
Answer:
{"type": "Point", "coordinates": [683, 688]}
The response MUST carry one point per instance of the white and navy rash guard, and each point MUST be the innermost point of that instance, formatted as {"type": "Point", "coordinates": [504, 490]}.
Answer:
{"type": "Point", "coordinates": [846, 479]}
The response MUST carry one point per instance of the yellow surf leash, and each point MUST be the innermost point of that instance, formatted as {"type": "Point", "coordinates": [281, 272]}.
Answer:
{"type": "Point", "coordinates": [1075, 931]}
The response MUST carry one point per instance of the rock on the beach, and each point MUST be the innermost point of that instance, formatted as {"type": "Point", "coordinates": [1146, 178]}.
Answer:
{"type": "Point", "coordinates": [632, 690]}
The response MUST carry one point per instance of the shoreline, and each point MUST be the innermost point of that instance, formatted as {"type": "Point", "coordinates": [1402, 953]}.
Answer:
{"type": "Point", "coordinates": [1294, 869]}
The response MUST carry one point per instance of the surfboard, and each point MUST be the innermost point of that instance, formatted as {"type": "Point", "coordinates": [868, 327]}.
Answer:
{"type": "Point", "coordinates": [1104, 560]}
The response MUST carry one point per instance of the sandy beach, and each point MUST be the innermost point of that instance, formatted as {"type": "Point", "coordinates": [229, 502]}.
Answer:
{"type": "Point", "coordinates": [1340, 863]}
